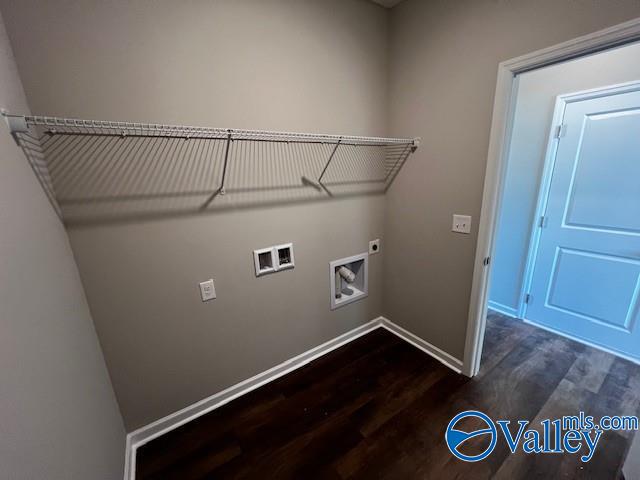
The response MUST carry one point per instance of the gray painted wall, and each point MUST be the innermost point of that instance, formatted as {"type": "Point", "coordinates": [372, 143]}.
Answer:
{"type": "Point", "coordinates": [537, 93]}
{"type": "Point", "coordinates": [443, 63]}
{"type": "Point", "coordinates": [318, 66]}
{"type": "Point", "coordinates": [59, 416]}
{"type": "Point", "coordinates": [323, 66]}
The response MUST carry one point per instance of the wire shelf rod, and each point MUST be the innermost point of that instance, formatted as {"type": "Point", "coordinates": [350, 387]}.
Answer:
{"type": "Point", "coordinates": [68, 126]}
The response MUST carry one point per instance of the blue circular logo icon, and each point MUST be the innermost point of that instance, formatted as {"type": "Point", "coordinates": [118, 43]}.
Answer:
{"type": "Point", "coordinates": [456, 438]}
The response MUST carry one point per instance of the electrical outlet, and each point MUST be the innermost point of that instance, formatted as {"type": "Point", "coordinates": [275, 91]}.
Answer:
{"type": "Point", "coordinates": [374, 246]}
{"type": "Point", "coordinates": [461, 224]}
{"type": "Point", "coordinates": [207, 290]}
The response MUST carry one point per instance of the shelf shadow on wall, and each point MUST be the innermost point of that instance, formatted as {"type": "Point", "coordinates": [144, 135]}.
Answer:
{"type": "Point", "coordinates": [96, 178]}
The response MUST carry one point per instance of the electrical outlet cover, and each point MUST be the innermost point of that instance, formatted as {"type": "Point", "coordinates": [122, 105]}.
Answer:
{"type": "Point", "coordinates": [461, 224]}
{"type": "Point", "coordinates": [207, 290]}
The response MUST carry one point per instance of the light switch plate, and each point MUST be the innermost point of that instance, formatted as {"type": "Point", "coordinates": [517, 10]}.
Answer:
{"type": "Point", "coordinates": [461, 224]}
{"type": "Point", "coordinates": [207, 290]}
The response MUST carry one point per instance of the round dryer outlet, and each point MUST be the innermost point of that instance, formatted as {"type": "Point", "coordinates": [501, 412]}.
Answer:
{"type": "Point", "coordinates": [374, 246]}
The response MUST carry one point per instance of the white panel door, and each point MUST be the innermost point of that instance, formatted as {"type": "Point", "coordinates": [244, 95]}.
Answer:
{"type": "Point", "coordinates": [586, 278]}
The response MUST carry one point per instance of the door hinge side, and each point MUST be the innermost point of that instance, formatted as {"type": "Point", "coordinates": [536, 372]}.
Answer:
{"type": "Point", "coordinates": [527, 298]}
{"type": "Point", "coordinates": [561, 130]}
{"type": "Point", "coordinates": [542, 223]}
{"type": "Point", "coordinates": [486, 261]}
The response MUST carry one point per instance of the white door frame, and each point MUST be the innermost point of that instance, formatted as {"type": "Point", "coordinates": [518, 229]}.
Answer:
{"type": "Point", "coordinates": [547, 173]}
{"type": "Point", "coordinates": [501, 125]}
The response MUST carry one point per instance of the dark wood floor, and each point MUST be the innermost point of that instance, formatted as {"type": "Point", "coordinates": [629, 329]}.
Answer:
{"type": "Point", "coordinates": [378, 408]}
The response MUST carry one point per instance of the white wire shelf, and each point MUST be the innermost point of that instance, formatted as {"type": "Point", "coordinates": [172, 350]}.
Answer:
{"type": "Point", "coordinates": [103, 168]}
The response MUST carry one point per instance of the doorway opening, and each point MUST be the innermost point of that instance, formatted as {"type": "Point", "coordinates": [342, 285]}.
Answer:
{"type": "Point", "coordinates": [567, 246]}
{"type": "Point", "coordinates": [509, 79]}
{"type": "Point", "coordinates": [562, 271]}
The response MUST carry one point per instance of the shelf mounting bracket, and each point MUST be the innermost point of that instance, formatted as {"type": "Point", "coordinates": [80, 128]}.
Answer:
{"type": "Point", "coordinates": [221, 190]}
{"type": "Point", "coordinates": [324, 170]}
{"type": "Point", "coordinates": [16, 123]}
{"type": "Point", "coordinates": [318, 185]}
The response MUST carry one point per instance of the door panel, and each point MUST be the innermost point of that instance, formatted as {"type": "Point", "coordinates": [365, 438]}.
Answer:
{"type": "Point", "coordinates": [586, 279]}
{"type": "Point", "coordinates": [610, 301]}
{"type": "Point", "coordinates": [604, 190]}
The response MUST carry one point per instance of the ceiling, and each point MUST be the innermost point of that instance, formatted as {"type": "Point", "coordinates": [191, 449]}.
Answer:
{"type": "Point", "coordinates": [387, 3]}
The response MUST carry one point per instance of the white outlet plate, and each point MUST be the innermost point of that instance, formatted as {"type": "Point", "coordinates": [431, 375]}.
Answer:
{"type": "Point", "coordinates": [207, 290]}
{"type": "Point", "coordinates": [461, 224]}
{"type": "Point", "coordinates": [374, 246]}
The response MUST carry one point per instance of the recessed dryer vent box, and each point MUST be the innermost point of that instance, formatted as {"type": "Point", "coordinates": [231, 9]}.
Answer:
{"type": "Point", "coordinates": [343, 291]}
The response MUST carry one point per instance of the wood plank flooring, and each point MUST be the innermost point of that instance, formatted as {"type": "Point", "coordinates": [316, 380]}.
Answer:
{"type": "Point", "coordinates": [378, 408]}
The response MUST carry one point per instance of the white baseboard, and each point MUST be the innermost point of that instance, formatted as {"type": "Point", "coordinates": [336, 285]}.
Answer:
{"type": "Point", "coordinates": [503, 309]}
{"type": "Point", "coordinates": [145, 434]}
{"type": "Point", "coordinates": [443, 357]}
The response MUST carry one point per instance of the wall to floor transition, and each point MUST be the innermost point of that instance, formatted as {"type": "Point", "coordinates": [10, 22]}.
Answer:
{"type": "Point", "coordinates": [59, 416]}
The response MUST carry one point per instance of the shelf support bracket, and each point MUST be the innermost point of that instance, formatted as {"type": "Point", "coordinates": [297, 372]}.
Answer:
{"type": "Point", "coordinates": [318, 185]}
{"type": "Point", "coordinates": [226, 161]}
{"type": "Point", "coordinates": [221, 190]}
{"type": "Point", "coordinates": [329, 161]}
{"type": "Point", "coordinates": [16, 123]}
